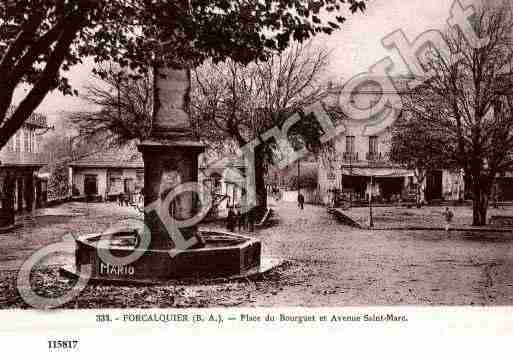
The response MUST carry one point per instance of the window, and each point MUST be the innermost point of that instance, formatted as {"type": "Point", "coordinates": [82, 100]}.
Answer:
{"type": "Point", "coordinates": [10, 145]}
{"type": "Point", "coordinates": [139, 179]}
{"type": "Point", "coordinates": [37, 142]}
{"type": "Point", "coordinates": [216, 183]}
{"type": "Point", "coordinates": [350, 144]}
{"type": "Point", "coordinates": [17, 145]}
{"type": "Point", "coordinates": [115, 181]}
{"type": "Point", "coordinates": [32, 146]}
{"type": "Point", "coordinates": [373, 144]}
{"type": "Point", "coordinates": [116, 185]}
{"type": "Point", "coordinates": [26, 140]}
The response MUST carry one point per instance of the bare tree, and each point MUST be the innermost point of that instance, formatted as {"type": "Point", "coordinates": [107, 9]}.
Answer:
{"type": "Point", "coordinates": [122, 108]}
{"type": "Point", "coordinates": [236, 104]}
{"type": "Point", "coordinates": [469, 97]}
{"type": "Point", "coordinates": [231, 104]}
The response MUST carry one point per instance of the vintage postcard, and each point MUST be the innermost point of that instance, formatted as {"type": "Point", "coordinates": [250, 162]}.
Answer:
{"type": "Point", "coordinates": [172, 170]}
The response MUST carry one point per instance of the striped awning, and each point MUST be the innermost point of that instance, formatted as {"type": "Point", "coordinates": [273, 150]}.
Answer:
{"type": "Point", "coordinates": [377, 172]}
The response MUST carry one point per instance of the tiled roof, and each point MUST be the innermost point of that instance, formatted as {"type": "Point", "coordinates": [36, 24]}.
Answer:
{"type": "Point", "coordinates": [36, 119]}
{"type": "Point", "coordinates": [127, 157]}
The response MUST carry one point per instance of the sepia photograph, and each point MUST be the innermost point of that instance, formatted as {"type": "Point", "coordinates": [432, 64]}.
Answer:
{"type": "Point", "coordinates": [186, 154]}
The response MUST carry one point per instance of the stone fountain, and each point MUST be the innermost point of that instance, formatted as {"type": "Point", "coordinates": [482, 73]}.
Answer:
{"type": "Point", "coordinates": [163, 250]}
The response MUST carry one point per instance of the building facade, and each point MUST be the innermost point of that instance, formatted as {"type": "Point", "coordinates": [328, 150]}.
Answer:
{"type": "Point", "coordinates": [360, 167]}
{"type": "Point", "coordinates": [22, 189]}
{"type": "Point", "coordinates": [225, 180]}
{"type": "Point", "coordinates": [107, 175]}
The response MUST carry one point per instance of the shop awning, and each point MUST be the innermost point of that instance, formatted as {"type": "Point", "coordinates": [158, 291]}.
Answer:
{"type": "Point", "coordinates": [377, 172]}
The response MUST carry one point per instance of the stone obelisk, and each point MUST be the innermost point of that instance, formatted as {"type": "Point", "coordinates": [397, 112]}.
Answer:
{"type": "Point", "coordinates": [170, 157]}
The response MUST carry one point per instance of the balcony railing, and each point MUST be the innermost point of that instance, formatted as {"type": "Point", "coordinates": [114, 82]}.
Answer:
{"type": "Point", "coordinates": [22, 158]}
{"type": "Point", "coordinates": [373, 156]}
{"type": "Point", "coordinates": [376, 157]}
{"type": "Point", "coordinates": [350, 156]}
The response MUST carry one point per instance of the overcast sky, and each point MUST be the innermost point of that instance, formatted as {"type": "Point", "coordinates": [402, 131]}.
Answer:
{"type": "Point", "coordinates": [355, 47]}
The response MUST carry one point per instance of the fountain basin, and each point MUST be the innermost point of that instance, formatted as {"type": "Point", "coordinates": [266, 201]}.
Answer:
{"type": "Point", "coordinates": [224, 256]}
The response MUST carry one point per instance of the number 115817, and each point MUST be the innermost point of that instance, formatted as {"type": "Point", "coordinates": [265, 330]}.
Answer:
{"type": "Point", "coordinates": [62, 344]}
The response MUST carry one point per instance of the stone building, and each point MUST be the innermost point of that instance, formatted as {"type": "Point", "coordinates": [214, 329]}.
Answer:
{"type": "Point", "coordinates": [21, 187]}
{"type": "Point", "coordinates": [105, 175]}
{"type": "Point", "coordinates": [224, 179]}
{"type": "Point", "coordinates": [360, 165]}
{"type": "Point", "coordinates": [503, 188]}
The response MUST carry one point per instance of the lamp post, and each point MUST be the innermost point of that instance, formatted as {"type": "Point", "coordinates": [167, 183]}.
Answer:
{"type": "Point", "coordinates": [298, 175]}
{"type": "Point", "coordinates": [371, 220]}
{"type": "Point", "coordinates": [351, 177]}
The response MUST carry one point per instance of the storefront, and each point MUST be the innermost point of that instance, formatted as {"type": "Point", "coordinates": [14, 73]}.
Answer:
{"type": "Point", "coordinates": [21, 190]}
{"type": "Point", "coordinates": [107, 175]}
{"type": "Point", "coordinates": [386, 185]}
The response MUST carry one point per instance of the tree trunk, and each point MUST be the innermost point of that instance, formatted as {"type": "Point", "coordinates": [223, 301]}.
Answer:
{"type": "Point", "coordinates": [419, 202]}
{"type": "Point", "coordinates": [420, 175]}
{"type": "Point", "coordinates": [260, 189]}
{"type": "Point", "coordinates": [467, 185]}
{"type": "Point", "coordinates": [7, 210]}
{"type": "Point", "coordinates": [480, 196]}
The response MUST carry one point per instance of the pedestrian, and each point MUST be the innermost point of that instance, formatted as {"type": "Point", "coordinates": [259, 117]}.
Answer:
{"type": "Point", "coordinates": [130, 198]}
{"type": "Point", "coordinates": [124, 199]}
{"type": "Point", "coordinates": [141, 198]}
{"type": "Point", "coordinates": [448, 218]}
{"type": "Point", "coordinates": [230, 220]}
{"type": "Point", "coordinates": [496, 199]}
{"type": "Point", "coordinates": [240, 219]}
{"type": "Point", "coordinates": [251, 219]}
{"type": "Point", "coordinates": [140, 201]}
{"type": "Point", "coordinates": [301, 201]}
{"type": "Point", "coordinates": [278, 194]}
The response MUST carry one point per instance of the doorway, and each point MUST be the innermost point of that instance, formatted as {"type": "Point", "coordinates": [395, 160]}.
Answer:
{"type": "Point", "coordinates": [356, 184]}
{"type": "Point", "coordinates": [90, 185]}
{"type": "Point", "coordinates": [504, 189]}
{"type": "Point", "coordinates": [390, 187]}
{"type": "Point", "coordinates": [128, 185]}
{"type": "Point", "coordinates": [434, 185]}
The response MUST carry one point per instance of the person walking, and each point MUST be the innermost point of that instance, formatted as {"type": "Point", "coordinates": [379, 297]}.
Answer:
{"type": "Point", "coordinates": [250, 215]}
{"type": "Point", "coordinates": [230, 220]}
{"type": "Point", "coordinates": [124, 199]}
{"type": "Point", "coordinates": [448, 218]}
{"type": "Point", "coordinates": [239, 219]}
{"type": "Point", "coordinates": [301, 201]}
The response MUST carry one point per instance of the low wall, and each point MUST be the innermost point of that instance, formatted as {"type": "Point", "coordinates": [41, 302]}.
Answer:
{"type": "Point", "coordinates": [341, 217]}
